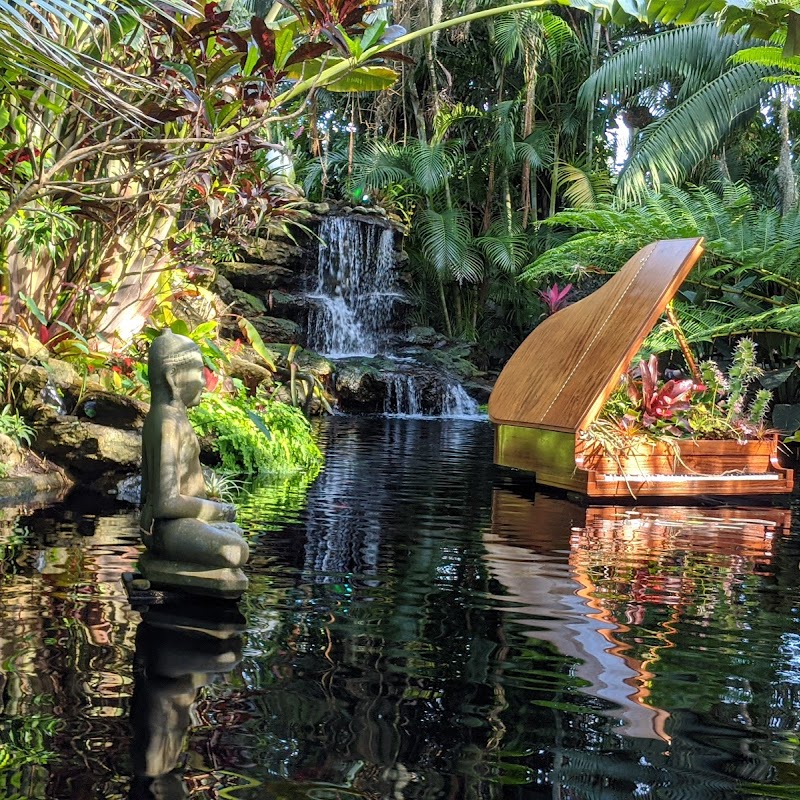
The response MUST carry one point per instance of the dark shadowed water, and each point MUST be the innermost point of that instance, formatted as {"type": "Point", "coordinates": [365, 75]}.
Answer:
{"type": "Point", "coordinates": [415, 628]}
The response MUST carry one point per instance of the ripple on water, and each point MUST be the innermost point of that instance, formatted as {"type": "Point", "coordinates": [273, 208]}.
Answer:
{"type": "Point", "coordinates": [418, 629]}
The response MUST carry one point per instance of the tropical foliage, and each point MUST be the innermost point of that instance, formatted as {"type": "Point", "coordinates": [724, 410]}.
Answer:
{"type": "Point", "coordinates": [140, 145]}
{"type": "Point", "coordinates": [256, 435]}
{"type": "Point", "coordinates": [747, 283]}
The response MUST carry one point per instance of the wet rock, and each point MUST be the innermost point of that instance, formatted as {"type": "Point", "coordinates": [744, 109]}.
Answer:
{"type": "Point", "coordinates": [259, 277]}
{"type": "Point", "coordinates": [423, 336]}
{"type": "Point", "coordinates": [275, 329]}
{"type": "Point", "coordinates": [10, 453]}
{"type": "Point", "coordinates": [358, 385]}
{"type": "Point", "coordinates": [114, 410]}
{"type": "Point", "coordinates": [87, 448]}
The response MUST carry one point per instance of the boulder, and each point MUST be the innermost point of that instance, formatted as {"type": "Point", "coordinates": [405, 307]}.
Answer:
{"type": "Point", "coordinates": [358, 385]}
{"type": "Point", "coordinates": [112, 410]}
{"type": "Point", "coordinates": [258, 277]}
{"type": "Point", "coordinates": [10, 453]}
{"type": "Point", "coordinates": [89, 449]}
{"type": "Point", "coordinates": [275, 329]}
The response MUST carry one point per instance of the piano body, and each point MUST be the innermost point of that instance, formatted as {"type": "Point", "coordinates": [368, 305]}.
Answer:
{"type": "Point", "coordinates": [558, 380]}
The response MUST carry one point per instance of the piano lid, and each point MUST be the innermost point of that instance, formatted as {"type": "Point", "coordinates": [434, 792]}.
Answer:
{"type": "Point", "coordinates": [562, 374]}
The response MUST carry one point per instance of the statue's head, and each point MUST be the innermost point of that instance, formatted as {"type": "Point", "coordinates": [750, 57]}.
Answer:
{"type": "Point", "coordinates": [175, 369]}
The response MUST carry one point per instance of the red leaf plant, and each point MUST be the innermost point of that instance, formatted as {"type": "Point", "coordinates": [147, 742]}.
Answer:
{"type": "Point", "coordinates": [554, 297]}
{"type": "Point", "coordinates": [660, 403]}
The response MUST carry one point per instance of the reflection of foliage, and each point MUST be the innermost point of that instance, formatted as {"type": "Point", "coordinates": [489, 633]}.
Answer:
{"type": "Point", "coordinates": [12, 545]}
{"type": "Point", "coordinates": [24, 742]}
{"type": "Point", "coordinates": [679, 610]}
{"type": "Point", "coordinates": [256, 435]}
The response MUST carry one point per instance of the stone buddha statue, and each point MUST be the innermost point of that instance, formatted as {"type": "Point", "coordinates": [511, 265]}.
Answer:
{"type": "Point", "coordinates": [192, 542]}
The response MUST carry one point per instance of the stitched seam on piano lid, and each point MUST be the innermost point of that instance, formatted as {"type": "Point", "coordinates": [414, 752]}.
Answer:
{"type": "Point", "coordinates": [599, 331]}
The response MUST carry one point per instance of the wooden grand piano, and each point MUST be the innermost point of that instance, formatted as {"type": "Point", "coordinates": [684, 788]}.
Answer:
{"type": "Point", "coordinates": [558, 380]}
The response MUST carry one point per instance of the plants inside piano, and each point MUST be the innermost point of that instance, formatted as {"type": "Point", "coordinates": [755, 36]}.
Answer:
{"type": "Point", "coordinates": [648, 410]}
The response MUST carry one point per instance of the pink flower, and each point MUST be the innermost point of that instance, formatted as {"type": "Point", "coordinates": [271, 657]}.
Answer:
{"type": "Point", "coordinates": [211, 379]}
{"type": "Point", "coordinates": [554, 297]}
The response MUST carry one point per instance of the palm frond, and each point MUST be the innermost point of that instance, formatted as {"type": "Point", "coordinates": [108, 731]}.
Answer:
{"type": "Point", "coordinates": [767, 56]}
{"type": "Point", "coordinates": [430, 164]}
{"type": "Point", "coordinates": [676, 143]}
{"type": "Point", "coordinates": [504, 250]}
{"type": "Point", "coordinates": [536, 149]}
{"type": "Point", "coordinates": [582, 187]}
{"type": "Point", "coordinates": [692, 53]}
{"type": "Point", "coordinates": [446, 240]}
{"type": "Point", "coordinates": [452, 115]}
{"type": "Point", "coordinates": [31, 42]}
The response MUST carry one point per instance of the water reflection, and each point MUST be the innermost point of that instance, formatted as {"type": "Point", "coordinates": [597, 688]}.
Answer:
{"type": "Point", "coordinates": [414, 630]}
{"type": "Point", "coordinates": [181, 646]}
{"type": "Point", "coordinates": [638, 606]}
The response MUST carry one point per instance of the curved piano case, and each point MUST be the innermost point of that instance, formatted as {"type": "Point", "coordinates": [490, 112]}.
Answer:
{"type": "Point", "coordinates": [560, 377]}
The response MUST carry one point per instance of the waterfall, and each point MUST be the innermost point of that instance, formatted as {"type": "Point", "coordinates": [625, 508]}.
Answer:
{"type": "Point", "coordinates": [403, 395]}
{"type": "Point", "coordinates": [410, 395]}
{"type": "Point", "coordinates": [352, 309]}
{"type": "Point", "coordinates": [457, 403]}
{"type": "Point", "coordinates": [356, 290]}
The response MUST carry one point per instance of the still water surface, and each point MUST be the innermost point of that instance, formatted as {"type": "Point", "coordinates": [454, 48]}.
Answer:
{"type": "Point", "coordinates": [415, 627]}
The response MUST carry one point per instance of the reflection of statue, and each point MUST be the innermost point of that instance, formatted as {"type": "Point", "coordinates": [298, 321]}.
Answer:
{"type": "Point", "coordinates": [178, 649]}
{"type": "Point", "coordinates": [192, 542]}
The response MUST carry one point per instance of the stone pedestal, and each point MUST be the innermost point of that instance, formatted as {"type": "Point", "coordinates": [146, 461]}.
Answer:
{"type": "Point", "coordinates": [191, 578]}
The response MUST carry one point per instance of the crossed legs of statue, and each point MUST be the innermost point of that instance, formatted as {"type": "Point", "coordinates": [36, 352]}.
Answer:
{"type": "Point", "coordinates": [195, 541]}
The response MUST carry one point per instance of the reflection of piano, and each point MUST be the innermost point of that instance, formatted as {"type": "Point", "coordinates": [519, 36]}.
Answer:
{"type": "Point", "coordinates": [559, 378]}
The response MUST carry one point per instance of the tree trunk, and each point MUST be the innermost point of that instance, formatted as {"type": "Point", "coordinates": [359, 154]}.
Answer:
{"type": "Point", "coordinates": [786, 176]}
{"type": "Point", "coordinates": [594, 57]}
{"type": "Point", "coordinates": [447, 324]}
{"type": "Point", "coordinates": [527, 129]}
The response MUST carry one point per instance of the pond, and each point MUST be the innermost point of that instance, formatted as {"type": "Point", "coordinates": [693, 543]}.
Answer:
{"type": "Point", "coordinates": [416, 626]}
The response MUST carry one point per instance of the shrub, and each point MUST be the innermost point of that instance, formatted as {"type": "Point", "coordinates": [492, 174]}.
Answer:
{"type": "Point", "coordinates": [256, 435]}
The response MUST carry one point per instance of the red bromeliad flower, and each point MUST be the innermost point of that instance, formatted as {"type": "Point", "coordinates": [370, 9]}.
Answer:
{"type": "Point", "coordinates": [555, 298]}
{"type": "Point", "coordinates": [660, 403]}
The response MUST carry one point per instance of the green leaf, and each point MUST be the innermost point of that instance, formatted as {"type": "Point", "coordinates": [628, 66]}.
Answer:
{"type": "Point", "coordinates": [253, 54]}
{"type": "Point", "coordinates": [20, 126]}
{"type": "Point", "coordinates": [30, 303]}
{"type": "Point", "coordinates": [257, 343]}
{"type": "Point", "coordinates": [182, 69]}
{"type": "Point", "coordinates": [180, 327]}
{"type": "Point", "coordinates": [259, 423]}
{"type": "Point", "coordinates": [373, 34]}
{"type": "Point", "coordinates": [284, 47]}
{"type": "Point", "coordinates": [365, 79]}
{"type": "Point", "coordinates": [359, 79]}
{"type": "Point", "coordinates": [222, 68]}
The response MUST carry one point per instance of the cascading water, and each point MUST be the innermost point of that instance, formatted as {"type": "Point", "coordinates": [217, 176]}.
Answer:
{"type": "Point", "coordinates": [356, 289]}
{"type": "Point", "coordinates": [353, 308]}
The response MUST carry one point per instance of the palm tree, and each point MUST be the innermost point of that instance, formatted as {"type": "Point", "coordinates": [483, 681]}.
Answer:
{"type": "Point", "coordinates": [684, 96]}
